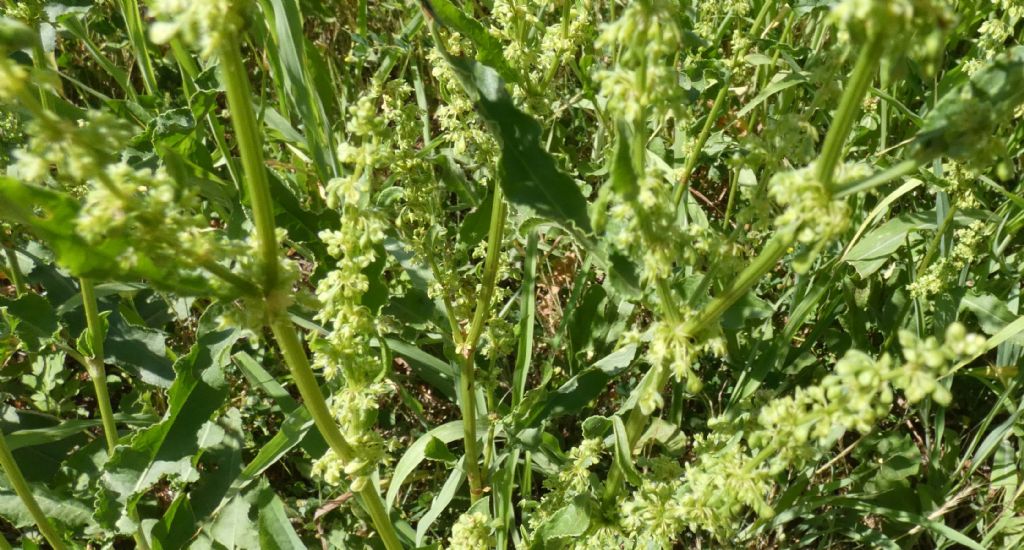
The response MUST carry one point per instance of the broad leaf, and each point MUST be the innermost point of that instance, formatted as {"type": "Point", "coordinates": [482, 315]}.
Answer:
{"type": "Point", "coordinates": [529, 175]}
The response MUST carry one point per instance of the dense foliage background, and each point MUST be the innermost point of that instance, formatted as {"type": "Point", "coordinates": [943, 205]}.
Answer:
{"type": "Point", "coordinates": [511, 273]}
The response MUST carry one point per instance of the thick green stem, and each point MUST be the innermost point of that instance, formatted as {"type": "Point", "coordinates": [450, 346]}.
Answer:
{"type": "Point", "coordinates": [763, 263]}
{"type": "Point", "coordinates": [96, 366]}
{"type": "Point", "coordinates": [467, 377]}
{"type": "Point", "coordinates": [21, 487]}
{"type": "Point", "coordinates": [849, 106]}
{"type": "Point", "coordinates": [295, 357]}
{"type": "Point", "coordinates": [250, 148]}
{"type": "Point", "coordinates": [95, 362]}
{"type": "Point", "coordinates": [14, 270]}
{"type": "Point", "coordinates": [243, 118]}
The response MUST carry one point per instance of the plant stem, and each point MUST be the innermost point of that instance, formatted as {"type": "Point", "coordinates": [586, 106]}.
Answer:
{"type": "Point", "coordinates": [295, 356]}
{"type": "Point", "coordinates": [243, 118]}
{"type": "Point", "coordinates": [133, 23]}
{"type": "Point", "coordinates": [467, 376]}
{"type": "Point", "coordinates": [21, 487]}
{"type": "Point", "coordinates": [734, 183]}
{"type": "Point", "coordinates": [15, 271]}
{"type": "Point", "coordinates": [95, 362]}
{"type": "Point", "coordinates": [849, 106]}
{"type": "Point", "coordinates": [95, 365]}
{"type": "Point", "coordinates": [765, 261]}
{"type": "Point", "coordinates": [776, 248]}
{"type": "Point", "coordinates": [247, 133]}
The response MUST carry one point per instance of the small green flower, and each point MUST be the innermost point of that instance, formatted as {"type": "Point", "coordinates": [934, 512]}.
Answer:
{"type": "Point", "coordinates": [472, 531]}
{"type": "Point", "coordinates": [205, 24]}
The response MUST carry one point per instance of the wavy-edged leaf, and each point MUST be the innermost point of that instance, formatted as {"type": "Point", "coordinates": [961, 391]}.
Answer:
{"type": "Point", "coordinates": [169, 448]}
{"type": "Point", "coordinates": [63, 509]}
{"type": "Point", "coordinates": [32, 318]}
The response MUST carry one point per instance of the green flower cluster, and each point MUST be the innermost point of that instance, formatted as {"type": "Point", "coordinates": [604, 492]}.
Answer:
{"type": "Point", "coordinates": [643, 82]}
{"type": "Point", "coordinates": [572, 480]}
{"type": "Point", "coordinates": [925, 361]}
{"type": "Point", "coordinates": [642, 223]}
{"type": "Point", "coordinates": [811, 211]}
{"type": "Point", "coordinates": [710, 14]}
{"type": "Point", "coordinates": [729, 477]}
{"type": "Point", "coordinates": [946, 270]}
{"type": "Point", "coordinates": [13, 79]}
{"type": "Point", "coordinates": [208, 24]}
{"type": "Point", "coordinates": [575, 477]}
{"type": "Point", "coordinates": [539, 38]}
{"type": "Point", "coordinates": [867, 19]}
{"type": "Point", "coordinates": [857, 395]}
{"type": "Point", "coordinates": [472, 531]}
{"type": "Point", "coordinates": [144, 207]}
{"type": "Point", "coordinates": [1013, 8]}
{"type": "Point", "coordinates": [79, 151]}
{"type": "Point", "coordinates": [11, 135]}
{"type": "Point", "coordinates": [148, 208]}
{"type": "Point", "coordinates": [346, 351]}
{"type": "Point", "coordinates": [713, 494]}
{"type": "Point", "coordinates": [993, 33]}
{"type": "Point", "coordinates": [673, 349]}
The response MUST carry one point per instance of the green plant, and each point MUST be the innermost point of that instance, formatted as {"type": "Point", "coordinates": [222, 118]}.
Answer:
{"type": "Point", "coordinates": [571, 274]}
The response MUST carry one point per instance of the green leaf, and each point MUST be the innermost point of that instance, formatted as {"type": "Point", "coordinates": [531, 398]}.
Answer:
{"type": "Point", "coordinates": [529, 175]}
{"type": "Point", "coordinates": [624, 453]}
{"type": "Point", "coordinates": [260, 378]}
{"type": "Point", "coordinates": [177, 526]}
{"type": "Point", "coordinates": [993, 314]}
{"type": "Point", "coordinates": [489, 50]}
{"type": "Point", "coordinates": [140, 350]}
{"type": "Point", "coordinates": [32, 318]}
{"type": "Point", "coordinates": [276, 531]}
{"type": "Point", "coordinates": [291, 48]}
{"type": "Point", "coordinates": [59, 507]}
{"type": "Point", "coordinates": [747, 309]}
{"type": "Point", "coordinates": [68, 428]}
{"type": "Point", "coordinates": [781, 81]}
{"type": "Point", "coordinates": [571, 521]}
{"type": "Point", "coordinates": [220, 462]}
{"type": "Point", "coordinates": [430, 369]}
{"type": "Point", "coordinates": [576, 393]}
{"type": "Point", "coordinates": [169, 448]}
{"type": "Point", "coordinates": [878, 245]}
{"type": "Point", "coordinates": [293, 431]}
{"type": "Point", "coordinates": [233, 528]}
{"type": "Point", "coordinates": [441, 500]}
{"type": "Point", "coordinates": [416, 453]}
{"type": "Point", "coordinates": [962, 123]}
{"type": "Point", "coordinates": [436, 450]}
